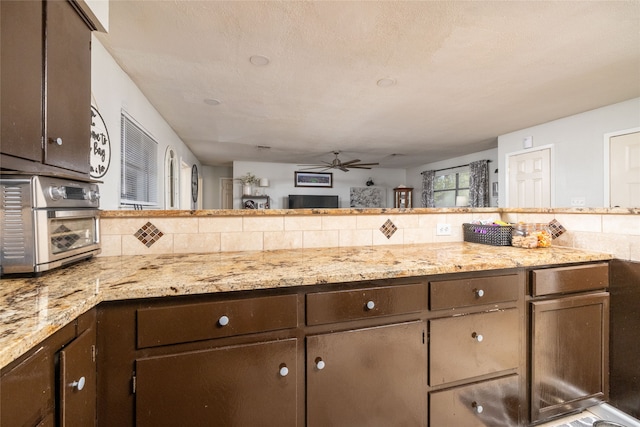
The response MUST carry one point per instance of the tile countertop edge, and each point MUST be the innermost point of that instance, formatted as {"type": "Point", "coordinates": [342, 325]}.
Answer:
{"type": "Point", "coordinates": [31, 309]}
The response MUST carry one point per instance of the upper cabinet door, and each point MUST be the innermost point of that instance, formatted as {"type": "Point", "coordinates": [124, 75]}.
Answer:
{"type": "Point", "coordinates": [68, 88]}
{"type": "Point", "coordinates": [21, 83]}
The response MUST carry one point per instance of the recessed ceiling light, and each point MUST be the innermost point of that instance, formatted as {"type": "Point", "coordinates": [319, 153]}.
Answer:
{"type": "Point", "coordinates": [259, 60]}
{"type": "Point", "coordinates": [386, 82]}
{"type": "Point", "coordinates": [211, 101]}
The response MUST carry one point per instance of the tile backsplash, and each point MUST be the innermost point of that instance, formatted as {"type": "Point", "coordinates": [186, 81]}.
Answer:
{"type": "Point", "coordinates": [618, 234]}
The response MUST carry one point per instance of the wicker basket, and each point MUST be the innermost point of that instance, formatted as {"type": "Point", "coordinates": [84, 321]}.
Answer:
{"type": "Point", "coordinates": [496, 235]}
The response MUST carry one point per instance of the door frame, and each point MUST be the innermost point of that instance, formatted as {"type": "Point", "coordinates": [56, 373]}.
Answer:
{"type": "Point", "coordinates": [552, 193]}
{"type": "Point", "coordinates": [607, 171]}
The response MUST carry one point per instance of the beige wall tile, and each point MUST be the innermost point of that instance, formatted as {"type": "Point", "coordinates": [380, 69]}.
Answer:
{"type": "Point", "coordinates": [535, 218]}
{"type": "Point", "coordinates": [302, 223]}
{"type": "Point", "coordinates": [114, 226]}
{"type": "Point", "coordinates": [510, 217]}
{"type": "Point", "coordinates": [372, 222]}
{"type": "Point", "coordinates": [615, 244]}
{"type": "Point", "coordinates": [320, 238]}
{"type": "Point", "coordinates": [405, 221]}
{"type": "Point", "coordinates": [132, 246]}
{"type": "Point", "coordinates": [256, 223]}
{"type": "Point", "coordinates": [418, 235]}
{"type": "Point", "coordinates": [212, 225]}
{"type": "Point", "coordinates": [111, 245]}
{"type": "Point", "coordinates": [355, 237]}
{"type": "Point", "coordinates": [379, 239]}
{"type": "Point", "coordinates": [176, 225]}
{"type": "Point", "coordinates": [196, 243]}
{"type": "Point", "coordinates": [339, 222]}
{"type": "Point", "coordinates": [242, 241]}
{"type": "Point", "coordinates": [282, 240]}
{"type": "Point", "coordinates": [580, 222]}
{"type": "Point", "coordinates": [621, 224]}
{"type": "Point", "coordinates": [430, 221]}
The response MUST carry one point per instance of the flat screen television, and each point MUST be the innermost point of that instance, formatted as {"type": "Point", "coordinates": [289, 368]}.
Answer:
{"type": "Point", "coordinates": [301, 201]}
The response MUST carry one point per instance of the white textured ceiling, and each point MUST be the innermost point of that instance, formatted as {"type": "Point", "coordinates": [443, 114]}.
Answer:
{"type": "Point", "coordinates": [466, 72]}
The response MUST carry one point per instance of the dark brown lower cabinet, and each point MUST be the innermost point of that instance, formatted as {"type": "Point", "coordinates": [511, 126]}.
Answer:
{"type": "Point", "coordinates": [367, 377]}
{"type": "Point", "coordinates": [569, 354]}
{"type": "Point", "coordinates": [485, 404]}
{"type": "Point", "coordinates": [244, 385]}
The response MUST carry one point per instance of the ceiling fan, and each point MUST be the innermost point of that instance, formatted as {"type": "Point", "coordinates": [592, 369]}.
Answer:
{"type": "Point", "coordinates": [343, 166]}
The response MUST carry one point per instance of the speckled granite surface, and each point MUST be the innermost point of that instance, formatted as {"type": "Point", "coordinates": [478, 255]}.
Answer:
{"type": "Point", "coordinates": [31, 309]}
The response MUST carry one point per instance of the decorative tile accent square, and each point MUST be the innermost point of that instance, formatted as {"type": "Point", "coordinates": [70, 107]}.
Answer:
{"type": "Point", "coordinates": [388, 228]}
{"type": "Point", "coordinates": [556, 228]}
{"type": "Point", "coordinates": [148, 234]}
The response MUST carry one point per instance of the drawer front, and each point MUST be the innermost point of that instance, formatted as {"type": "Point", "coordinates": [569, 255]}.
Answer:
{"type": "Point", "coordinates": [489, 403]}
{"type": "Point", "coordinates": [569, 279]}
{"type": "Point", "coordinates": [340, 306]}
{"type": "Point", "coordinates": [447, 294]}
{"type": "Point", "coordinates": [469, 346]}
{"type": "Point", "coordinates": [201, 321]}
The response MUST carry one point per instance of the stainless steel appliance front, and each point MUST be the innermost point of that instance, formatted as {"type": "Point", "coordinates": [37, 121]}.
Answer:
{"type": "Point", "coordinates": [46, 222]}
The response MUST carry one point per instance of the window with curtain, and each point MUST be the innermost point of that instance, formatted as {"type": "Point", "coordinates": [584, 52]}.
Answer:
{"type": "Point", "coordinates": [450, 184]}
{"type": "Point", "coordinates": [138, 165]}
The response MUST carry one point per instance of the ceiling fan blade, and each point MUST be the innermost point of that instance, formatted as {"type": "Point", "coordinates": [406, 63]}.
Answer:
{"type": "Point", "coordinates": [350, 162]}
{"type": "Point", "coordinates": [343, 169]}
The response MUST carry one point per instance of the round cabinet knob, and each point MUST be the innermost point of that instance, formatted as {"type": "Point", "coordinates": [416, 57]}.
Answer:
{"type": "Point", "coordinates": [57, 193]}
{"type": "Point", "coordinates": [92, 196]}
{"type": "Point", "coordinates": [479, 293]}
{"type": "Point", "coordinates": [284, 371]}
{"type": "Point", "coordinates": [478, 408]}
{"type": "Point", "coordinates": [57, 141]}
{"type": "Point", "coordinates": [371, 305]}
{"type": "Point", "coordinates": [477, 337]}
{"type": "Point", "coordinates": [79, 385]}
{"type": "Point", "coordinates": [320, 364]}
{"type": "Point", "coordinates": [223, 321]}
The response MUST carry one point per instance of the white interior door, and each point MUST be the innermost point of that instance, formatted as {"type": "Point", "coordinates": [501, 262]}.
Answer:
{"type": "Point", "coordinates": [226, 193]}
{"type": "Point", "coordinates": [529, 177]}
{"type": "Point", "coordinates": [624, 167]}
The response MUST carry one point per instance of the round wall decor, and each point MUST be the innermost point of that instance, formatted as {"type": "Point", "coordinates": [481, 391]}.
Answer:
{"type": "Point", "coordinates": [100, 145]}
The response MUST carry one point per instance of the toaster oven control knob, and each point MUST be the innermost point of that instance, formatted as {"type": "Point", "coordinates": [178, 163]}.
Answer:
{"type": "Point", "coordinates": [57, 193]}
{"type": "Point", "coordinates": [92, 196]}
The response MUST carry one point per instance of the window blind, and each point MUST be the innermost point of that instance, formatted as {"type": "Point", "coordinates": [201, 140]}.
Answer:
{"type": "Point", "coordinates": [138, 165]}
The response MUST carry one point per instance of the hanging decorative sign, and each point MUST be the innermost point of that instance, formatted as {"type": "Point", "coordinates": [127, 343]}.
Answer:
{"type": "Point", "coordinates": [100, 145]}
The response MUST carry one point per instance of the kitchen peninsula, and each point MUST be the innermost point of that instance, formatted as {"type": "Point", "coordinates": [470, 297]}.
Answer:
{"type": "Point", "coordinates": [296, 299]}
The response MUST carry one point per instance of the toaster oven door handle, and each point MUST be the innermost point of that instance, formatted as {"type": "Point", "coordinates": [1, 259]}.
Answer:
{"type": "Point", "coordinates": [89, 213]}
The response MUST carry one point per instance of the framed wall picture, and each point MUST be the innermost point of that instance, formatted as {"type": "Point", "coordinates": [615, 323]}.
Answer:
{"type": "Point", "coordinates": [314, 179]}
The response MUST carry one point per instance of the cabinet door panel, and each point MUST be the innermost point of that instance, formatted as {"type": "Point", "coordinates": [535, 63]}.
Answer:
{"type": "Point", "coordinates": [457, 352]}
{"type": "Point", "coordinates": [570, 344]}
{"type": "Point", "coordinates": [21, 83]}
{"type": "Point", "coordinates": [486, 404]}
{"type": "Point", "coordinates": [27, 394]}
{"type": "Point", "coordinates": [68, 88]}
{"type": "Point", "coordinates": [371, 377]}
{"type": "Point", "coordinates": [78, 381]}
{"type": "Point", "coordinates": [229, 386]}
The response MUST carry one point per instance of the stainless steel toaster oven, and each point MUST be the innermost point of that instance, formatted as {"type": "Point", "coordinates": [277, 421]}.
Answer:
{"type": "Point", "coordinates": [46, 222]}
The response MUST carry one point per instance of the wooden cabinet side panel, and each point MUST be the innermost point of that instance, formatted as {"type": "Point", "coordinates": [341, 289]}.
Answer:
{"type": "Point", "coordinates": [21, 84]}
{"type": "Point", "coordinates": [569, 347]}
{"type": "Point", "coordinates": [228, 386]}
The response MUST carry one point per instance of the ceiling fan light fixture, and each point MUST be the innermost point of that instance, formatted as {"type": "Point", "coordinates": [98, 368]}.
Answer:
{"type": "Point", "coordinates": [259, 60]}
{"type": "Point", "coordinates": [386, 82]}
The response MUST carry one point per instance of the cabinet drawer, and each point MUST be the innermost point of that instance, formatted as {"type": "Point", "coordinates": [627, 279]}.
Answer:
{"type": "Point", "coordinates": [489, 403]}
{"type": "Point", "coordinates": [569, 279]}
{"type": "Point", "coordinates": [200, 321]}
{"type": "Point", "coordinates": [469, 346]}
{"type": "Point", "coordinates": [340, 306]}
{"type": "Point", "coordinates": [446, 294]}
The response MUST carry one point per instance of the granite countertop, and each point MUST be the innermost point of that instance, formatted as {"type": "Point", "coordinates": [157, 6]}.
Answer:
{"type": "Point", "coordinates": [33, 308]}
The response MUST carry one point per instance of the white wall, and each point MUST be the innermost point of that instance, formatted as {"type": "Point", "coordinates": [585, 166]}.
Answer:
{"type": "Point", "coordinates": [281, 182]}
{"type": "Point", "coordinates": [414, 176]}
{"type": "Point", "coordinates": [112, 91]}
{"type": "Point", "coordinates": [577, 164]}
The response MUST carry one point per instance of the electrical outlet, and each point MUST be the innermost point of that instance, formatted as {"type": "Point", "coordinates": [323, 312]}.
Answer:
{"type": "Point", "coordinates": [578, 201]}
{"type": "Point", "coordinates": [443, 230]}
